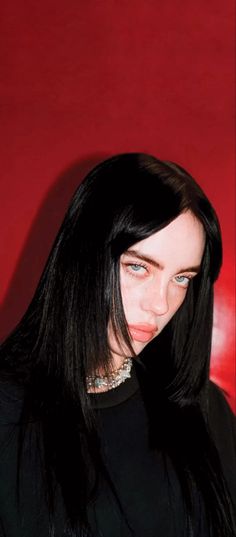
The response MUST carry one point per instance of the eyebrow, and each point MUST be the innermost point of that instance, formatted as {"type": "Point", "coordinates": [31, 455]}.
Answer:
{"type": "Point", "coordinates": [156, 264]}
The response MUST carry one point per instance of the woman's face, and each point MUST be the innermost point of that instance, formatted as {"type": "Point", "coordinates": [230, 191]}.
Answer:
{"type": "Point", "coordinates": [154, 277]}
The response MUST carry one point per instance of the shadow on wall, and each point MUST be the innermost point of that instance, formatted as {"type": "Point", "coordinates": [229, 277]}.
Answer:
{"type": "Point", "coordinates": [39, 242]}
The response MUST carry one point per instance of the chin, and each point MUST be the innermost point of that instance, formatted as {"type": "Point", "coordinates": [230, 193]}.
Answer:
{"type": "Point", "coordinates": [119, 353]}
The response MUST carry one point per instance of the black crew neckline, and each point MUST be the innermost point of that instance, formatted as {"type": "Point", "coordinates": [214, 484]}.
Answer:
{"type": "Point", "coordinates": [118, 395]}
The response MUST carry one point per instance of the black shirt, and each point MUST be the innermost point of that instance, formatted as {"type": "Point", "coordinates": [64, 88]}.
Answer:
{"type": "Point", "coordinates": [147, 500]}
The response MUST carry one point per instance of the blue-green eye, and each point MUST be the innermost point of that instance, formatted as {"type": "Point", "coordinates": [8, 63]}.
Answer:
{"type": "Point", "coordinates": [182, 279]}
{"type": "Point", "coordinates": [135, 267]}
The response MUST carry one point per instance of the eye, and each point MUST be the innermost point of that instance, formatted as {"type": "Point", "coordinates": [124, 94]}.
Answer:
{"type": "Point", "coordinates": [136, 269]}
{"type": "Point", "coordinates": [183, 280]}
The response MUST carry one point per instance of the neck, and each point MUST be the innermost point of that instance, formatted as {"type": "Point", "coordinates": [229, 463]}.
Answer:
{"type": "Point", "coordinates": [99, 383]}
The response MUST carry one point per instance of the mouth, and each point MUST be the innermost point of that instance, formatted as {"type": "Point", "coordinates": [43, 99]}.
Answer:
{"type": "Point", "coordinates": [142, 332]}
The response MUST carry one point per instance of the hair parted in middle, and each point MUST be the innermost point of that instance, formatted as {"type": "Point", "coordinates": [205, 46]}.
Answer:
{"type": "Point", "coordinates": [122, 201]}
{"type": "Point", "coordinates": [63, 337]}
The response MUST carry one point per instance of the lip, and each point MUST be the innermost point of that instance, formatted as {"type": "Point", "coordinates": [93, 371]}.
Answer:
{"type": "Point", "coordinates": [142, 332]}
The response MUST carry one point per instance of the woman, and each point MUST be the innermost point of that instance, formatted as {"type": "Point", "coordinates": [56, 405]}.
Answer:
{"type": "Point", "coordinates": [110, 425]}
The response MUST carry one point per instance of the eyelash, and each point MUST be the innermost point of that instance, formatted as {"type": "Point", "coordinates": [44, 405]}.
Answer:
{"type": "Point", "coordinates": [135, 273]}
{"type": "Point", "coordinates": [132, 272]}
{"type": "Point", "coordinates": [189, 278]}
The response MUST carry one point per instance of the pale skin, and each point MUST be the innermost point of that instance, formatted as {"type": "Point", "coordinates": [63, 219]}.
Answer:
{"type": "Point", "coordinates": [154, 277]}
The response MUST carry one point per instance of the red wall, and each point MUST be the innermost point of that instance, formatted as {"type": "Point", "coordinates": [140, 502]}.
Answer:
{"type": "Point", "coordinates": [81, 80]}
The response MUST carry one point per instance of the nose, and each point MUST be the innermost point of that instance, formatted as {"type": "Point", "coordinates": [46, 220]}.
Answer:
{"type": "Point", "coordinates": [155, 299]}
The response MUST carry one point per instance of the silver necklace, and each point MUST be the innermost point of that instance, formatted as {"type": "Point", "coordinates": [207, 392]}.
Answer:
{"type": "Point", "coordinates": [114, 379]}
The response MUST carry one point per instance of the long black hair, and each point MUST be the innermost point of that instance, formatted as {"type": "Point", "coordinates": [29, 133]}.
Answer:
{"type": "Point", "coordinates": [63, 337]}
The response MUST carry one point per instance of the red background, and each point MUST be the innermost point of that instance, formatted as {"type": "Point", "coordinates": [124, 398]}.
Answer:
{"type": "Point", "coordinates": [81, 80]}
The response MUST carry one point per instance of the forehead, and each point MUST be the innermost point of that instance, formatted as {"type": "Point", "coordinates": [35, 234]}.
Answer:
{"type": "Point", "coordinates": [182, 241]}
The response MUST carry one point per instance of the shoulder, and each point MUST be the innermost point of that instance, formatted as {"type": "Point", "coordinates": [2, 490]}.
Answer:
{"type": "Point", "coordinates": [222, 424]}
{"type": "Point", "coordinates": [10, 412]}
{"type": "Point", "coordinates": [11, 401]}
{"type": "Point", "coordinates": [221, 417]}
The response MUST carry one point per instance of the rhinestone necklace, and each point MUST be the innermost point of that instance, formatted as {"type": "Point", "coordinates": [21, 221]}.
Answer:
{"type": "Point", "coordinates": [114, 379]}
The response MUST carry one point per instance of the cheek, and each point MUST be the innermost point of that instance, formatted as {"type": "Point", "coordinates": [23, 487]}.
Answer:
{"type": "Point", "coordinates": [129, 294]}
{"type": "Point", "coordinates": [176, 298]}
{"type": "Point", "coordinates": [129, 300]}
